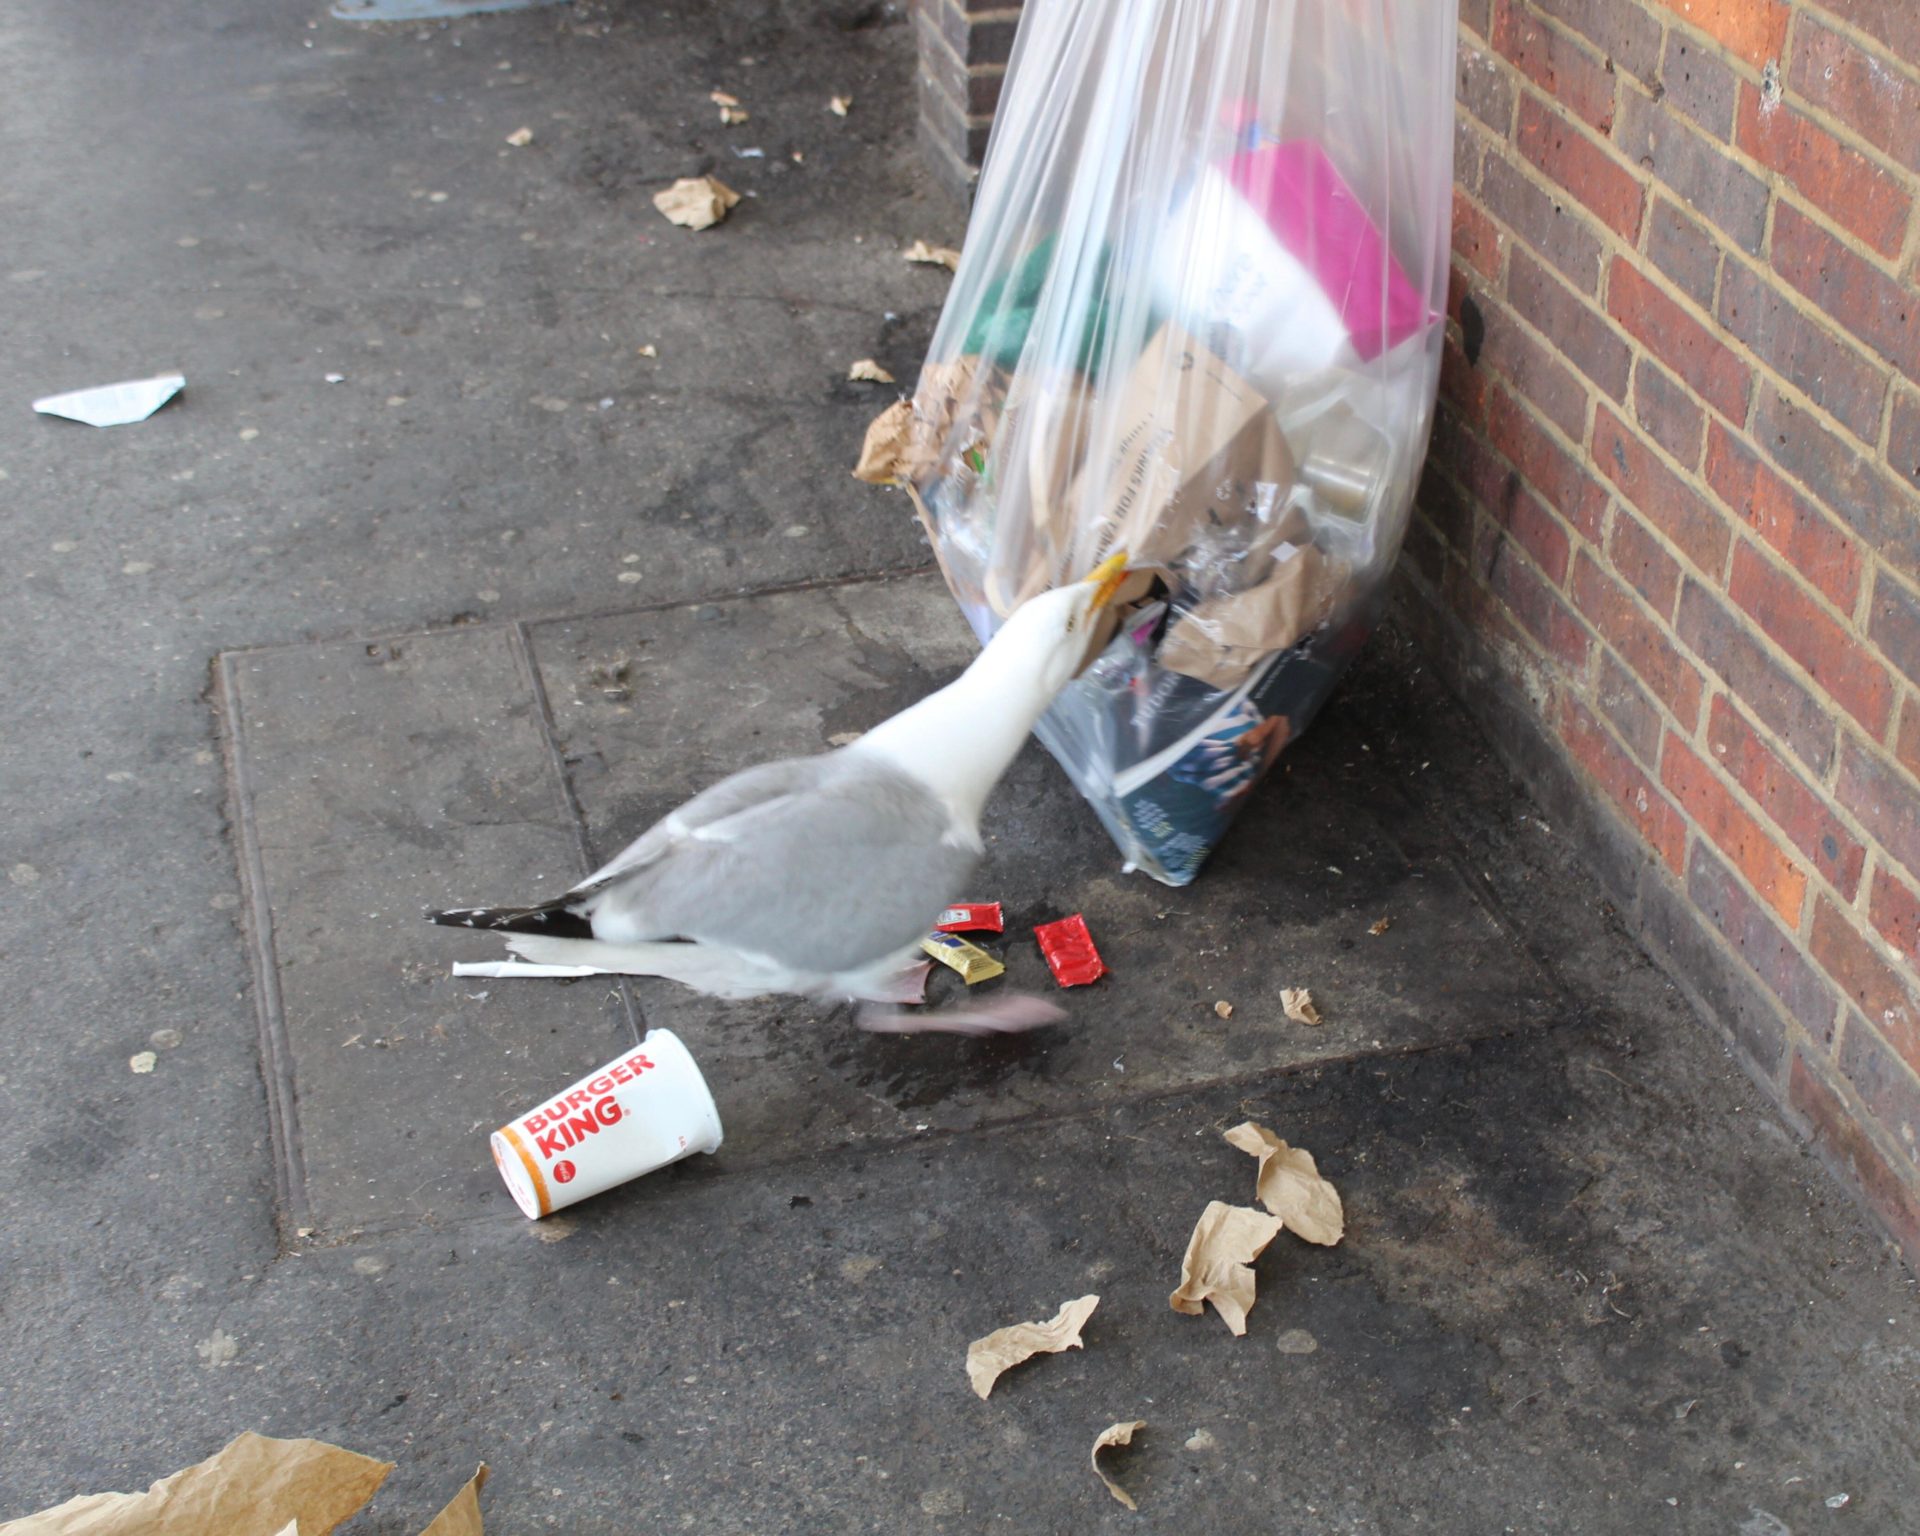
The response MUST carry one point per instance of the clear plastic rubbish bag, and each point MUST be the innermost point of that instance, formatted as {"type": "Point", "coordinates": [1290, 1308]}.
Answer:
{"type": "Point", "coordinates": [1198, 318]}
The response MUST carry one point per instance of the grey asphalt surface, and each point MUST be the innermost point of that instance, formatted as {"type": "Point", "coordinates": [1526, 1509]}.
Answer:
{"type": "Point", "coordinates": [293, 658]}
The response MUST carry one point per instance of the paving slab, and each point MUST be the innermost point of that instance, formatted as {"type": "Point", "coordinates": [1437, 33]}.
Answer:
{"type": "Point", "coordinates": [372, 781]}
{"type": "Point", "coordinates": [378, 779]}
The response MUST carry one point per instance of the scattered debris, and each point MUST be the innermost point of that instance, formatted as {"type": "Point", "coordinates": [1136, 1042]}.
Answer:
{"type": "Point", "coordinates": [733, 116]}
{"type": "Point", "coordinates": [1296, 1341]}
{"type": "Point", "coordinates": [723, 99]}
{"type": "Point", "coordinates": [755, 153]}
{"type": "Point", "coordinates": [1005, 1348]}
{"type": "Point", "coordinates": [1380, 927]}
{"type": "Point", "coordinates": [142, 1062]}
{"type": "Point", "coordinates": [520, 138]}
{"type": "Point", "coordinates": [970, 960]}
{"type": "Point", "coordinates": [254, 1484]}
{"type": "Point", "coordinates": [1289, 1185]}
{"type": "Point", "coordinates": [1217, 1267]}
{"type": "Point", "coordinates": [1298, 1003]}
{"type": "Point", "coordinates": [844, 738]}
{"type": "Point", "coordinates": [1116, 1434]}
{"type": "Point", "coordinates": [696, 202]}
{"type": "Point", "coordinates": [867, 371]}
{"type": "Point", "coordinates": [113, 405]}
{"type": "Point", "coordinates": [972, 917]}
{"type": "Point", "coordinates": [1838, 1500]}
{"type": "Point", "coordinates": [649, 350]}
{"type": "Point", "coordinates": [932, 255]}
{"type": "Point", "coordinates": [1069, 951]}
{"type": "Point", "coordinates": [837, 105]}
{"type": "Point", "coordinates": [1223, 1009]}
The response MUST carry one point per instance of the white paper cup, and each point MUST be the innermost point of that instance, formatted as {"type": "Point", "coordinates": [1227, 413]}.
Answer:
{"type": "Point", "coordinates": [644, 1109]}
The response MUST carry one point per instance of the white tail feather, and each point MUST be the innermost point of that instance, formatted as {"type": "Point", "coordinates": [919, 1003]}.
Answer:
{"type": "Point", "coordinates": [717, 972]}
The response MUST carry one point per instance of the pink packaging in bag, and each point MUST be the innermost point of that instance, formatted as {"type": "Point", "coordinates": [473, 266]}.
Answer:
{"type": "Point", "coordinates": [1315, 217]}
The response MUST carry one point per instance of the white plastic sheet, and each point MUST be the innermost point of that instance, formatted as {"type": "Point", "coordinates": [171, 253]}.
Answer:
{"type": "Point", "coordinates": [1197, 317]}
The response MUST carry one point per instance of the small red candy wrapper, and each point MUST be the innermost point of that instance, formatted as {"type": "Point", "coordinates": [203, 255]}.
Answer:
{"type": "Point", "coordinates": [972, 917]}
{"type": "Point", "coordinates": [1070, 952]}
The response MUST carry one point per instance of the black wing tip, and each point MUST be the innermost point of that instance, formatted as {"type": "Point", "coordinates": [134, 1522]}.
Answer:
{"type": "Point", "coordinates": [460, 917]}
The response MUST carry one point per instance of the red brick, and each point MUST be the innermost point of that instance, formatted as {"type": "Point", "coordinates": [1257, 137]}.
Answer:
{"type": "Point", "coordinates": [1535, 370]}
{"type": "Point", "coordinates": [1804, 536]}
{"type": "Point", "coordinates": [1644, 562]}
{"type": "Point", "coordinates": [1768, 868]}
{"type": "Point", "coordinates": [1561, 67]}
{"type": "Point", "coordinates": [1622, 28]}
{"type": "Point", "coordinates": [1668, 413]}
{"type": "Point", "coordinates": [1671, 334]}
{"type": "Point", "coordinates": [1640, 639]}
{"type": "Point", "coordinates": [1556, 474]}
{"type": "Point", "coordinates": [1543, 221]}
{"type": "Point", "coordinates": [1570, 322]}
{"type": "Point", "coordinates": [1883, 800]}
{"type": "Point", "coordinates": [1467, 154]}
{"type": "Point", "coordinates": [1447, 508]}
{"type": "Point", "coordinates": [1510, 505]}
{"type": "Point", "coordinates": [1684, 252]}
{"type": "Point", "coordinates": [1754, 30]}
{"type": "Point", "coordinates": [1698, 84]}
{"type": "Point", "coordinates": [1885, 1084]}
{"type": "Point", "coordinates": [1849, 385]}
{"type": "Point", "coordinates": [1475, 13]}
{"type": "Point", "coordinates": [1895, 911]}
{"type": "Point", "coordinates": [1462, 385]}
{"type": "Point", "coordinates": [1903, 442]}
{"type": "Point", "coordinates": [1585, 168]}
{"type": "Point", "coordinates": [1852, 190]}
{"type": "Point", "coordinates": [1775, 956]}
{"type": "Point", "coordinates": [1425, 549]}
{"type": "Point", "coordinates": [1724, 641]}
{"type": "Point", "coordinates": [1629, 709]}
{"type": "Point", "coordinates": [1483, 87]}
{"type": "Point", "coordinates": [1694, 166]}
{"type": "Point", "coordinates": [1895, 22]}
{"type": "Point", "coordinates": [1889, 1191]}
{"type": "Point", "coordinates": [1476, 238]}
{"type": "Point", "coordinates": [1894, 624]}
{"type": "Point", "coordinates": [1876, 507]}
{"type": "Point", "coordinates": [1681, 513]}
{"type": "Point", "coordinates": [1880, 991]}
{"type": "Point", "coordinates": [1788, 800]}
{"type": "Point", "coordinates": [1637, 795]}
{"type": "Point", "coordinates": [1878, 309]}
{"type": "Point", "coordinates": [1881, 105]}
{"type": "Point", "coordinates": [1831, 654]}
{"type": "Point", "coordinates": [1539, 609]}
{"type": "Point", "coordinates": [1906, 746]}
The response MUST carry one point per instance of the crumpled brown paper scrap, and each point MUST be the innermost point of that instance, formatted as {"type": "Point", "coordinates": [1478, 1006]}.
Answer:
{"type": "Point", "coordinates": [932, 255]}
{"type": "Point", "coordinates": [256, 1486]}
{"type": "Point", "coordinates": [1217, 1267]}
{"type": "Point", "coordinates": [1297, 1004]}
{"type": "Point", "coordinates": [1116, 1434]}
{"type": "Point", "coordinates": [696, 202]}
{"type": "Point", "coordinates": [1005, 1348]}
{"type": "Point", "coordinates": [867, 371]}
{"type": "Point", "coordinates": [1289, 1184]}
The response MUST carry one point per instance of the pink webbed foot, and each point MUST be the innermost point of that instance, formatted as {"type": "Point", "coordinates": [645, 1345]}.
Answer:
{"type": "Point", "coordinates": [1011, 1013]}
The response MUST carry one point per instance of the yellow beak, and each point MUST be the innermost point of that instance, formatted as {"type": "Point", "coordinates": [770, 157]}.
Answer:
{"type": "Point", "coordinates": [1107, 575]}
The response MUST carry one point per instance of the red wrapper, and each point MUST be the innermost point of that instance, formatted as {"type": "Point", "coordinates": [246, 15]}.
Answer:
{"type": "Point", "coordinates": [1070, 952]}
{"type": "Point", "coordinates": [971, 917]}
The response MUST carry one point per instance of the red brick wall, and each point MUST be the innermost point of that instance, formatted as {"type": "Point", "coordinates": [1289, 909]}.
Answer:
{"type": "Point", "coordinates": [1669, 538]}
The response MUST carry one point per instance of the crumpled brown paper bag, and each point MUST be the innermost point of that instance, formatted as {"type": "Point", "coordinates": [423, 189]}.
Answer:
{"type": "Point", "coordinates": [1006, 1347]}
{"type": "Point", "coordinates": [1289, 1184]}
{"type": "Point", "coordinates": [1218, 1263]}
{"type": "Point", "coordinates": [256, 1486]}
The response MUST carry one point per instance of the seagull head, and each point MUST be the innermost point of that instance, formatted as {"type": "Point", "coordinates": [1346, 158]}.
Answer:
{"type": "Point", "coordinates": [1045, 639]}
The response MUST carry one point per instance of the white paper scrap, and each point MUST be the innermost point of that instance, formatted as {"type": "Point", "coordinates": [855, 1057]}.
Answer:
{"type": "Point", "coordinates": [114, 405]}
{"type": "Point", "coordinates": [522, 968]}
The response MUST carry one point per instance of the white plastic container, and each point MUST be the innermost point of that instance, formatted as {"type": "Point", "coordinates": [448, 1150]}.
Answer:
{"type": "Point", "coordinates": [644, 1109]}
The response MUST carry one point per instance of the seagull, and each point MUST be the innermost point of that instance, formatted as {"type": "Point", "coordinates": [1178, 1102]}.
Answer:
{"type": "Point", "coordinates": [820, 876]}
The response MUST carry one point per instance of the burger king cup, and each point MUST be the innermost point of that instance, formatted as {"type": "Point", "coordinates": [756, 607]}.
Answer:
{"type": "Point", "coordinates": [644, 1109]}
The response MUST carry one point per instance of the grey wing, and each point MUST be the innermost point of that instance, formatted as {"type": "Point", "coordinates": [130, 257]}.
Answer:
{"type": "Point", "coordinates": [750, 787]}
{"type": "Point", "coordinates": [829, 878]}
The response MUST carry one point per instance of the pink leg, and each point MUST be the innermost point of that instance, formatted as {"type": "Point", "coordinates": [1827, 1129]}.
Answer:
{"type": "Point", "coordinates": [1010, 1013]}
